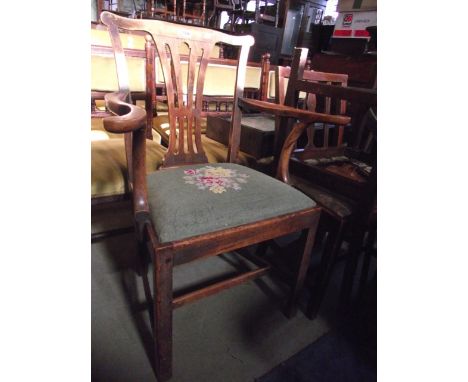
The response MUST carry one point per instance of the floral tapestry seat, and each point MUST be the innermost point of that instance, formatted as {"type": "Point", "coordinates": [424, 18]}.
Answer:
{"type": "Point", "coordinates": [196, 199]}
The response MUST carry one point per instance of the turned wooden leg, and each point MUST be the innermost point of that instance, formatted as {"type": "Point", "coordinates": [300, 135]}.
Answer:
{"type": "Point", "coordinates": [302, 270]}
{"type": "Point", "coordinates": [329, 255]}
{"type": "Point", "coordinates": [163, 315]}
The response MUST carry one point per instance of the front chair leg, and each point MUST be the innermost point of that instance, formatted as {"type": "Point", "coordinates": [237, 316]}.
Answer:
{"type": "Point", "coordinates": [163, 263]}
{"type": "Point", "coordinates": [301, 271]}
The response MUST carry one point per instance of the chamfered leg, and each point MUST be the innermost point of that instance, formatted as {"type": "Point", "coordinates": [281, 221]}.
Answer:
{"type": "Point", "coordinates": [163, 264]}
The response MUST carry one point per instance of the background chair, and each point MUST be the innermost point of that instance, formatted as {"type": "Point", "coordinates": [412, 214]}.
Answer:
{"type": "Point", "coordinates": [187, 212]}
{"type": "Point", "coordinates": [267, 11]}
{"type": "Point", "coordinates": [160, 9]}
{"type": "Point", "coordinates": [194, 11]}
{"type": "Point", "coordinates": [232, 7]}
{"type": "Point", "coordinates": [335, 173]}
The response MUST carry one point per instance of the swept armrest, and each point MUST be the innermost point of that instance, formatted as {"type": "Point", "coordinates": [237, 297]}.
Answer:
{"type": "Point", "coordinates": [288, 111]}
{"type": "Point", "coordinates": [128, 117]}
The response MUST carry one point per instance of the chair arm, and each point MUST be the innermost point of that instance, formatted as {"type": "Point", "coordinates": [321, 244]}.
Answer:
{"type": "Point", "coordinates": [288, 147]}
{"type": "Point", "coordinates": [128, 117]}
{"type": "Point", "coordinates": [292, 112]}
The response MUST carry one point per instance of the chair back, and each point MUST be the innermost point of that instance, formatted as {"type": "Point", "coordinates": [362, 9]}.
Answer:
{"type": "Point", "coordinates": [327, 152]}
{"type": "Point", "coordinates": [185, 100]}
{"type": "Point", "coordinates": [323, 140]}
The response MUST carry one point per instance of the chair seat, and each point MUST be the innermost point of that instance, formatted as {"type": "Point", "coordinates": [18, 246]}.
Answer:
{"type": "Point", "coordinates": [336, 205]}
{"type": "Point", "coordinates": [197, 199]}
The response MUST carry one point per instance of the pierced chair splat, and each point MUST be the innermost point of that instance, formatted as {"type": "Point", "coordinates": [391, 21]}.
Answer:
{"type": "Point", "coordinates": [190, 209]}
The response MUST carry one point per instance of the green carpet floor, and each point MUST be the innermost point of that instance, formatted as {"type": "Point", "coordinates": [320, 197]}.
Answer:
{"type": "Point", "coordinates": [237, 335]}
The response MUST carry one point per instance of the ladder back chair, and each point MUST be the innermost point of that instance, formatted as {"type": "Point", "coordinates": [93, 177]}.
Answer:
{"type": "Point", "coordinates": [326, 167]}
{"type": "Point", "coordinates": [315, 147]}
{"type": "Point", "coordinates": [189, 210]}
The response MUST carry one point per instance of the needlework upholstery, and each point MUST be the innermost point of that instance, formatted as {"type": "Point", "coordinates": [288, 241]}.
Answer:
{"type": "Point", "coordinates": [180, 210]}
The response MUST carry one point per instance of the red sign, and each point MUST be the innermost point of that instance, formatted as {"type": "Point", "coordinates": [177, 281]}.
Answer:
{"type": "Point", "coordinates": [347, 19]}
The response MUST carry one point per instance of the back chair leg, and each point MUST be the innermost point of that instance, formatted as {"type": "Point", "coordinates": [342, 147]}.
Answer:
{"type": "Point", "coordinates": [366, 261]}
{"type": "Point", "coordinates": [163, 263]}
{"type": "Point", "coordinates": [351, 267]}
{"type": "Point", "coordinates": [331, 250]}
{"type": "Point", "coordinates": [301, 271]}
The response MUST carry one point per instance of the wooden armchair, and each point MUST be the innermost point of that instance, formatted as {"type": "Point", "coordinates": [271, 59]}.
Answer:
{"type": "Point", "coordinates": [189, 210]}
{"type": "Point", "coordinates": [335, 173]}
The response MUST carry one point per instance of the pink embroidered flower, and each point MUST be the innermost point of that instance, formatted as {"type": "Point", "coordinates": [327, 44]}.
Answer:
{"type": "Point", "coordinates": [215, 179]}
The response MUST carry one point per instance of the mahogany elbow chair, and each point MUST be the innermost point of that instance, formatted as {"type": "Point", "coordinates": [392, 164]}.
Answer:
{"type": "Point", "coordinates": [189, 209]}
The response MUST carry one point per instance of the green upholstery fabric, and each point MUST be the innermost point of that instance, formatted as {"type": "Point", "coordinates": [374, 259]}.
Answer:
{"type": "Point", "coordinates": [109, 166]}
{"type": "Point", "coordinates": [181, 207]}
